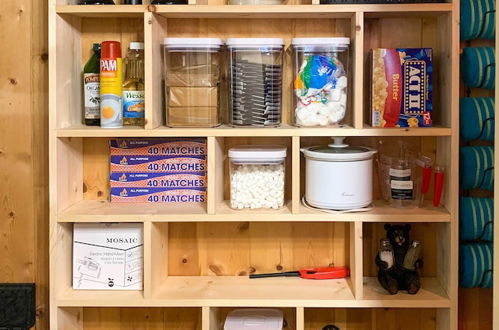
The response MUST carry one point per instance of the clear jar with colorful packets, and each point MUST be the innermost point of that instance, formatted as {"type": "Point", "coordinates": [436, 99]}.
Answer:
{"type": "Point", "coordinates": [255, 81]}
{"type": "Point", "coordinates": [320, 82]}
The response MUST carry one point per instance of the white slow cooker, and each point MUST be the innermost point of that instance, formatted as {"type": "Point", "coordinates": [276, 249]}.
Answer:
{"type": "Point", "coordinates": [338, 176]}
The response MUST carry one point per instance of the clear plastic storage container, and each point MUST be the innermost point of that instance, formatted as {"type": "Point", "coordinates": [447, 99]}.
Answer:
{"type": "Point", "coordinates": [255, 81]}
{"type": "Point", "coordinates": [320, 80]}
{"type": "Point", "coordinates": [192, 81]}
{"type": "Point", "coordinates": [257, 177]}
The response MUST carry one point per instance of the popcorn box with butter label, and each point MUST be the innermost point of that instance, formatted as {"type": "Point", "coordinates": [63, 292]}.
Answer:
{"type": "Point", "coordinates": [158, 195]}
{"type": "Point", "coordinates": [401, 87]}
{"type": "Point", "coordinates": [160, 147]}
{"type": "Point", "coordinates": [166, 180]}
{"type": "Point", "coordinates": [155, 164]}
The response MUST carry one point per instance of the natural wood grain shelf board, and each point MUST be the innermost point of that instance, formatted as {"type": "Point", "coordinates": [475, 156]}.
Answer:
{"type": "Point", "coordinates": [270, 11]}
{"type": "Point", "coordinates": [240, 291]}
{"type": "Point", "coordinates": [103, 211]}
{"type": "Point", "coordinates": [99, 298]}
{"type": "Point", "coordinates": [431, 295]}
{"type": "Point", "coordinates": [382, 212]}
{"type": "Point", "coordinates": [102, 10]}
{"type": "Point", "coordinates": [297, 11]}
{"type": "Point", "coordinates": [284, 130]}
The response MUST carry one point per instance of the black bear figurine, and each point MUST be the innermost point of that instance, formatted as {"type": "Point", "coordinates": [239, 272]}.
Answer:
{"type": "Point", "coordinates": [397, 277]}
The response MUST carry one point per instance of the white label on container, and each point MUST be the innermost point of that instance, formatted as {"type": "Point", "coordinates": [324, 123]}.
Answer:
{"type": "Point", "coordinates": [91, 85]}
{"type": "Point", "coordinates": [400, 173]}
{"type": "Point", "coordinates": [405, 185]}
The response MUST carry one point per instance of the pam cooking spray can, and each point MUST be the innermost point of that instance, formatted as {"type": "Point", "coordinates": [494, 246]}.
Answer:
{"type": "Point", "coordinates": [111, 81]}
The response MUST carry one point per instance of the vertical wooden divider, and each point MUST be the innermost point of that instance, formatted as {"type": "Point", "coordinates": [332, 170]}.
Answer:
{"type": "Point", "coordinates": [452, 161]}
{"type": "Point", "coordinates": [300, 318]}
{"type": "Point", "coordinates": [356, 269]}
{"type": "Point", "coordinates": [154, 33]}
{"type": "Point", "coordinates": [212, 174]}
{"type": "Point", "coordinates": [358, 69]}
{"type": "Point", "coordinates": [147, 258]}
{"type": "Point", "coordinates": [295, 175]}
{"type": "Point", "coordinates": [210, 318]}
{"type": "Point", "coordinates": [215, 173]}
{"type": "Point", "coordinates": [69, 318]}
{"type": "Point", "coordinates": [155, 256]}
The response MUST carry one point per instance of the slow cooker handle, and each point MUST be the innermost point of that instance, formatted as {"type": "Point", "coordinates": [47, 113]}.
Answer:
{"type": "Point", "coordinates": [338, 142]}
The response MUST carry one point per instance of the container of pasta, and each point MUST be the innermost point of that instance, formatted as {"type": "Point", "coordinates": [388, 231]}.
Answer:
{"type": "Point", "coordinates": [401, 87]}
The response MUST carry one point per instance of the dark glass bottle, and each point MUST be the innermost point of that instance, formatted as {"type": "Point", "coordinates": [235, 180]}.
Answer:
{"type": "Point", "coordinates": [96, 2]}
{"type": "Point", "coordinates": [91, 88]}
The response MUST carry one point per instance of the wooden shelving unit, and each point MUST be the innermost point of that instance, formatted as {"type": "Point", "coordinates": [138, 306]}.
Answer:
{"type": "Point", "coordinates": [197, 257]}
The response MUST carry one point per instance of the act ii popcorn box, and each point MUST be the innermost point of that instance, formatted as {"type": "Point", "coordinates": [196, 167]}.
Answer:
{"type": "Point", "coordinates": [401, 87]}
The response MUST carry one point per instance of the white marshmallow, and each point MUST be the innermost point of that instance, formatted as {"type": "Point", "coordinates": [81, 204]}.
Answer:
{"type": "Point", "coordinates": [256, 186]}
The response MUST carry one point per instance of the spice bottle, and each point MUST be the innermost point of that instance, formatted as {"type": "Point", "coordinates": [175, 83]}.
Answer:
{"type": "Point", "coordinates": [412, 255]}
{"type": "Point", "coordinates": [111, 79]}
{"type": "Point", "coordinates": [386, 252]}
{"type": "Point", "coordinates": [96, 2]}
{"type": "Point", "coordinates": [133, 86]}
{"type": "Point", "coordinates": [91, 88]}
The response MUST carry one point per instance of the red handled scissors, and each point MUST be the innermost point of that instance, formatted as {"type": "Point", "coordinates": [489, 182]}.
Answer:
{"type": "Point", "coordinates": [318, 273]}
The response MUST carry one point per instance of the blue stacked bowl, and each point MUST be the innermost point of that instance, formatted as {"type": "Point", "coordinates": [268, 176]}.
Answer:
{"type": "Point", "coordinates": [477, 167]}
{"type": "Point", "coordinates": [478, 67]}
{"type": "Point", "coordinates": [476, 262]}
{"type": "Point", "coordinates": [477, 118]}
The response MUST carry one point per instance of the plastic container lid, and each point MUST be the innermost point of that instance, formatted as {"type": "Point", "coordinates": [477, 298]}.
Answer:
{"type": "Point", "coordinates": [193, 42]}
{"type": "Point", "coordinates": [136, 45]}
{"type": "Point", "coordinates": [311, 44]}
{"type": "Point", "coordinates": [255, 42]}
{"type": "Point", "coordinates": [338, 151]}
{"type": "Point", "coordinates": [343, 41]}
{"type": "Point", "coordinates": [110, 49]}
{"type": "Point", "coordinates": [252, 319]}
{"type": "Point", "coordinates": [257, 153]}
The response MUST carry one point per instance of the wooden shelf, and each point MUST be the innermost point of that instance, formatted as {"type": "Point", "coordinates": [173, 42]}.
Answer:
{"type": "Point", "coordinates": [102, 10]}
{"type": "Point", "coordinates": [101, 298]}
{"type": "Point", "coordinates": [224, 130]}
{"type": "Point", "coordinates": [269, 11]}
{"type": "Point", "coordinates": [103, 211]}
{"type": "Point", "coordinates": [240, 291]}
{"type": "Point", "coordinates": [188, 239]}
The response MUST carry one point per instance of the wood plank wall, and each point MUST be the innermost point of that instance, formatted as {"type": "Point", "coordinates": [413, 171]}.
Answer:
{"type": "Point", "coordinates": [24, 161]}
{"type": "Point", "coordinates": [23, 147]}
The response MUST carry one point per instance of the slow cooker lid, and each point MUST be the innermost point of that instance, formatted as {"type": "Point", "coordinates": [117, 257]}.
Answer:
{"type": "Point", "coordinates": [344, 150]}
{"type": "Point", "coordinates": [338, 151]}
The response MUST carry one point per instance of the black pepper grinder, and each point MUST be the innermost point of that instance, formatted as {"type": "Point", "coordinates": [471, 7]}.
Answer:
{"type": "Point", "coordinates": [330, 327]}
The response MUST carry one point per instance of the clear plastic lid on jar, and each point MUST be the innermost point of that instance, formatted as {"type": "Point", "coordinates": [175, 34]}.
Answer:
{"type": "Point", "coordinates": [192, 81]}
{"type": "Point", "coordinates": [255, 81]}
{"type": "Point", "coordinates": [257, 176]}
{"type": "Point", "coordinates": [320, 80]}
